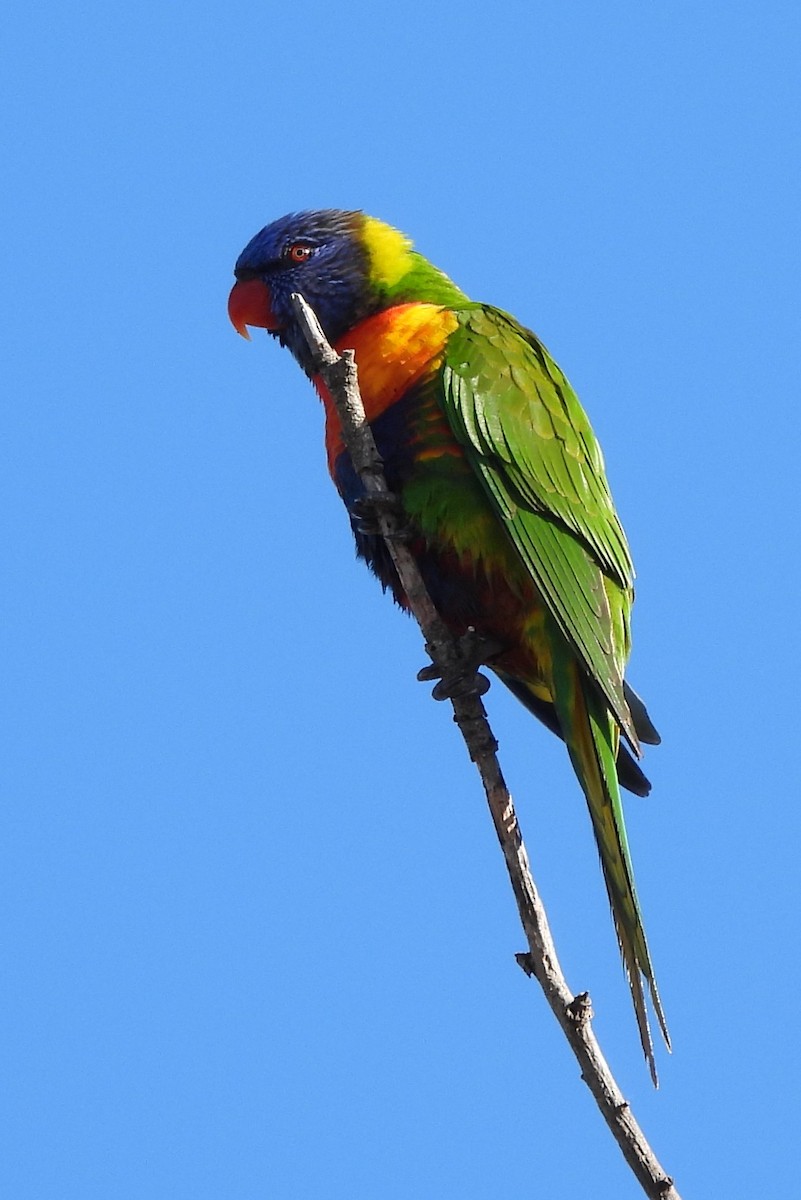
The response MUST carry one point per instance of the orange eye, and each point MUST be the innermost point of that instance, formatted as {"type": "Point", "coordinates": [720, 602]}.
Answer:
{"type": "Point", "coordinates": [299, 252]}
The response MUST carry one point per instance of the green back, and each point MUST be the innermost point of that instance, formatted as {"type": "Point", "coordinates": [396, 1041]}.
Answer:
{"type": "Point", "coordinates": [530, 443]}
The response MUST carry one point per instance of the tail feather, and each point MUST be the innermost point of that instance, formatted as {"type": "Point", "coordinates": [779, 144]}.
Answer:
{"type": "Point", "coordinates": [629, 773]}
{"type": "Point", "coordinates": [592, 740]}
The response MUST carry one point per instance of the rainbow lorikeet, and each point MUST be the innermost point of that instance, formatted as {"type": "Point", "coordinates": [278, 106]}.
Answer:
{"type": "Point", "coordinates": [503, 485]}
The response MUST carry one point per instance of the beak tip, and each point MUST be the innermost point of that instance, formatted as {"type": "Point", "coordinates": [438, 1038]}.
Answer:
{"type": "Point", "coordinates": [249, 304]}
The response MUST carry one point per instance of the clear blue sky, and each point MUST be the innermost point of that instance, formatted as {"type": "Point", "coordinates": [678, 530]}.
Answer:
{"type": "Point", "coordinates": [257, 939]}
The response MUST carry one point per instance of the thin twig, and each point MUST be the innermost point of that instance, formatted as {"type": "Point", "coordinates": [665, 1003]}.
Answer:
{"type": "Point", "coordinates": [574, 1013]}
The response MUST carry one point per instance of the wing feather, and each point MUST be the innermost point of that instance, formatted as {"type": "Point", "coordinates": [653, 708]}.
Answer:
{"type": "Point", "coordinates": [529, 441]}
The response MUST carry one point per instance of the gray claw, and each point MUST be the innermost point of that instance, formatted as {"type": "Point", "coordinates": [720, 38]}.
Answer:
{"type": "Point", "coordinates": [475, 650]}
{"type": "Point", "coordinates": [365, 519]}
{"type": "Point", "coordinates": [461, 685]}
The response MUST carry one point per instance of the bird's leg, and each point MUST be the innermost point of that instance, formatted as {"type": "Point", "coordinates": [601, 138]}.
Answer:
{"type": "Point", "coordinates": [365, 516]}
{"type": "Point", "coordinates": [475, 650]}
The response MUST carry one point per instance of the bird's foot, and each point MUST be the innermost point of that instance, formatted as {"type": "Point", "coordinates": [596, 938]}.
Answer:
{"type": "Point", "coordinates": [475, 650]}
{"type": "Point", "coordinates": [366, 515]}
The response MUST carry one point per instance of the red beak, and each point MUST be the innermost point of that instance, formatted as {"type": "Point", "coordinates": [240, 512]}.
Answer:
{"type": "Point", "coordinates": [250, 304]}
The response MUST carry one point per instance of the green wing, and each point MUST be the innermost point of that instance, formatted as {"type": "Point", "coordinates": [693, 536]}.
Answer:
{"type": "Point", "coordinates": [529, 441]}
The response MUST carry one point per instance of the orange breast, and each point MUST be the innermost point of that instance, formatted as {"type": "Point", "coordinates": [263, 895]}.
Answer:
{"type": "Point", "coordinates": [393, 350]}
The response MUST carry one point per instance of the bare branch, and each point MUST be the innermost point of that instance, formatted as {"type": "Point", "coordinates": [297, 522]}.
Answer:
{"type": "Point", "coordinates": [574, 1013]}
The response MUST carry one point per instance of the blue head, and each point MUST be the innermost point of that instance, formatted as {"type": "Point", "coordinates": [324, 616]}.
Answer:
{"type": "Point", "coordinates": [319, 254]}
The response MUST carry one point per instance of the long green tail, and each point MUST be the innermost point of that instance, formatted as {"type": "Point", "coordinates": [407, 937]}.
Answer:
{"type": "Point", "coordinates": [592, 735]}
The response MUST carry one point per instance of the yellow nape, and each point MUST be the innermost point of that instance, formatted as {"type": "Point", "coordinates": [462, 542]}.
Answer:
{"type": "Point", "coordinates": [389, 250]}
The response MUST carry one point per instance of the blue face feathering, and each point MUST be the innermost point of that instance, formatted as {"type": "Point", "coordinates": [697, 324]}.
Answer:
{"type": "Point", "coordinates": [320, 255]}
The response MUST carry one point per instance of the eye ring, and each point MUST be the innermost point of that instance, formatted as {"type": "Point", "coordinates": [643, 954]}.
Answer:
{"type": "Point", "coordinates": [298, 252]}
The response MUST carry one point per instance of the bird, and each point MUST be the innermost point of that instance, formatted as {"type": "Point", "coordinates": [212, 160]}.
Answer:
{"type": "Point", "coordinates": [503, 487]}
